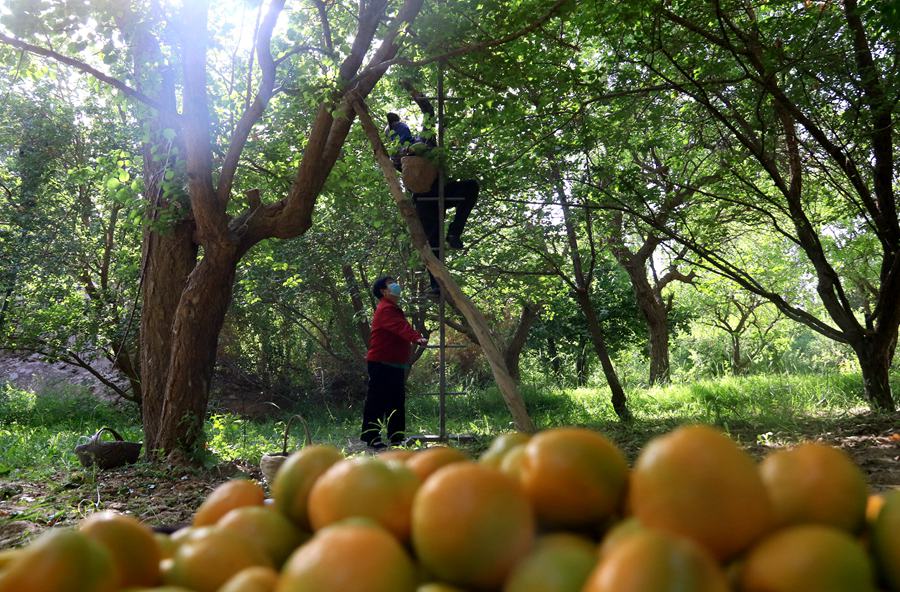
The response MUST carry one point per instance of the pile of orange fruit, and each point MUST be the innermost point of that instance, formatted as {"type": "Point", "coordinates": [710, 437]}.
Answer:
{"type": "Point", "coordinates": [559, 511]}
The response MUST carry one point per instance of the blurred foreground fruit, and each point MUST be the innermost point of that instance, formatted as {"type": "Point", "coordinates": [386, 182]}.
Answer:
{"type": "Point", "coordinates": [696, 482]}
{"type": "Point", "coordinates": [427, 461]}
{"type": "Point", "coordinates": [814, 483]}
{"type": "Point", "coordinates": [130, 544]}
{"type": "Point", "coordinates": [500, 445]}
{"type": "Point", "coordinates": [365, 487]}
{"type": "Point", "coordinates": [557, 563]}
{"type": "Point", "coordinates": [271, 531]}
{"type": "Point", "coordinates": [650, 560]}
{"type": "Point", "coordinates": [885, 540]}
{"type": "Point", "coordinates": [574, 477]}
{"type": "Point", "coordinates": [296, 477]}
{"type": "Point", "coordinates": [351, 556]}
{"type": "Point", "coordinates": [203, 563]}
{"type": "Point", "coordinates": [252, 579]}
{"type": "Point", "coordinates": [61, 560]}
{"type": "Point", "coordinates": [471, 524]}
{"type": "Point", "coordinates": [226, 497]}
{"type": "Point", "coordinates": [808, 557]}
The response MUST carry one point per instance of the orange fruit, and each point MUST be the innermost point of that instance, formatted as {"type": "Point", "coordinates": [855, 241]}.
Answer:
{"type": "Point", "coordinates": [226, 497]}
{"type": "Point", "coordinates": [351, 556]}
{"type": "Point", "coordinates": [295, 479]}
{"type": "Point", "coordinates": [511, 463]}
{"type": "Point", "coordinates": [204, 562]}
{"type": "Point", "coordinates": [557, 563]}
{"type": "Point", "coordinates": [425, 462]}
{"type": "Point", "coordinates": [438, 587]}
{"type": "Point", "coordinates": [165, 544]}
{"type": "Point", "coordinates": [61, 560]}
{"type": "Point", "coordinates": [401, 454]}
{"type": "Point", "coordinates": [500, 445]}
{"type": "Point", "coordinates": [252, 579]}
{"type": "Point", "coordinates": [7, 556]}
{"type": "Point", "coordinates": [656, 560]}
{"type": "Point", "coordinates": [471, 524]}
{"type": "Point", "coordinates": [696, 482]}
{"type": "Point", "coordinates": [815, 483]}
{"type": "Point", "coordinates": [573, 476]}
{"type": "Point", "coordinates": [131, 545]}
{"type": "Point", "coordinates": [276, 536]}
{"type": "Point", "coordinates": [618, 533]}
{"type": "Point", "coordinates": [885, 540]}
{"type": "Point", "coordinates": [365, 487]}
{"type": "Point", "coordinates": [807, 557]}
{"type": "Point", "coordinates": [873, 507]}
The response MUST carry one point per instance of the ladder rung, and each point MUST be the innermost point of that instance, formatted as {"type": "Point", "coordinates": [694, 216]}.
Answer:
{"type": "Point", "coordinates": [454, 393]}
{"type": "Point", "coordinates": [447, 345]}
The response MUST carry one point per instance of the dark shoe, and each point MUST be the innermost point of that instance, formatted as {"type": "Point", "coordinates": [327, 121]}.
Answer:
{"type": "Point", "coordinates": [454, 242]}
{"type": "Point", "coordinates": [378, 445]}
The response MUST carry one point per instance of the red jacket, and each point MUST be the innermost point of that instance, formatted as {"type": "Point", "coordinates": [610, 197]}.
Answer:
{"type": "Point", "coordinates": [391, 335]}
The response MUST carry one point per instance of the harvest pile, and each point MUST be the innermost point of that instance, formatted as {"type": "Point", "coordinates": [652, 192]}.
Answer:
{"type": "Point", "coordinates": [555, 512]}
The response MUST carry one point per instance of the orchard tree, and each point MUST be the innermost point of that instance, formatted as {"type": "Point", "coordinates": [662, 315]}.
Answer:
{"type": "Point", "coordinates": [802, 98]}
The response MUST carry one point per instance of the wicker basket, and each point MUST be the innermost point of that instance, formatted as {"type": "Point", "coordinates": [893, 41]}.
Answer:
{"type": "Point", "coordinates": [419, 173]}
{"type": "Point", "coordinates": [107, 455]}
{"type": "Point", "coordinates": [270, 463]}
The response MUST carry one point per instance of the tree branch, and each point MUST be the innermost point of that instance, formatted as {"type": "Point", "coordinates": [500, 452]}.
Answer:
{"type": "Point", "coordinates": [86, 68]}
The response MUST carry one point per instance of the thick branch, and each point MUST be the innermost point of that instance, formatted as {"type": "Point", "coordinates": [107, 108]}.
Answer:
{"type": "Point", "coordinates": [87, 69]}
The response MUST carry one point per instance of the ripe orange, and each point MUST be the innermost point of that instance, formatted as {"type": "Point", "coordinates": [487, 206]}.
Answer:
{"type": "Point", "coordinates": [401, 454]}
{"type": "Point", "coordinates": [885, 540]}
{"type": "Point", "coordinates": [655, 560]}
{"type": "Point", "coordinates": [618, 533]}
{"type": "Point", "coordinates": [365, 487]}
{"type": "Point", "coordinates": [500, 445]}
{"type": "Point", "coordinates": [61, 560]}
{"type": "Point", "coordinates": [814, 483]}
{"type": "Point", "coordinates": [351, 556]}
{"type": "Point", "coordinates": [131, 545]}
{"type": "Point", "coordinates": [807, 557]}
{"type": "Point", "coordinates": [511, 463]}
{"type": "Point", "coordinates": [574, 477]}
{"type": "Point", "coordinates": [295, 479]}
{"type": "Point", "coordinates": [226, 497]}
{"type": "Point", "coordinates": [276, 536]}
{"type": "Point", "coordinates": [471, 524]}
{"type": "Point", "coordinates": [557, 563]}
{"type": "Point", "coordinates": [696, 482]}
{"type": "Point", "coordinates": [205, 561]}
{"type": "Point", "coordinates": [252, 579]}
{"type": "Point", "coordinates": [426, 462]}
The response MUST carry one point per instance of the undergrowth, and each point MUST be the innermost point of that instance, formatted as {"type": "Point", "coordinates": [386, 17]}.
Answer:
{"type": "Point", "coordinates": [39, 432]}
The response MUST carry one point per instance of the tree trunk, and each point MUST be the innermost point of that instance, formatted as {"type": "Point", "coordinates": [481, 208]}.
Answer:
{"type": "Point", "coordinates": [581, 365]}
{"type": "Point", "coordinates": [517, 342]}
{"type": "Point", "coordinates": [198, 321]}
{"type": "Point", "coordinates": [619, 400]}
{"type": "Point", "coordinates": [170, 258]}
{"type": "Point", "coordinates": [552, 352]}
{"type": "Point", "coordinates": [875, 363]}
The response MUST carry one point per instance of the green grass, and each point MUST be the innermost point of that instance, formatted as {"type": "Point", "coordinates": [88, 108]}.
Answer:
{"type": "Point", "coordinates": [38, 433]}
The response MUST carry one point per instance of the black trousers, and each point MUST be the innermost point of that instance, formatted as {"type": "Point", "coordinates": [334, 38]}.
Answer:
{"type": "Point", "coordinates": [428, 211]}
{"type": "Point", "coordinates": [385, 404]}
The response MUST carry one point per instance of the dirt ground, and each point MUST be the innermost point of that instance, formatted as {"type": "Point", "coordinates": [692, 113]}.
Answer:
{"type": "Point", "coordinates": [168, 496]}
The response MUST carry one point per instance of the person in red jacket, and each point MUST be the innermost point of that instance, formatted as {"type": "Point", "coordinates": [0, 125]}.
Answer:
{"type": "Point", "coordinates": [387, 361]}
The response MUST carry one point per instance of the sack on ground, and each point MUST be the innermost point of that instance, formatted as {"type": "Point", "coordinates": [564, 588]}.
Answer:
{"type": "Point", "coordinates": [419, 173]}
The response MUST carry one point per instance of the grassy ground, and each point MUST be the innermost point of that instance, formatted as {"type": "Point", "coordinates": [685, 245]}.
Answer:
{"type": "Point", "coordinates": [41, 482]}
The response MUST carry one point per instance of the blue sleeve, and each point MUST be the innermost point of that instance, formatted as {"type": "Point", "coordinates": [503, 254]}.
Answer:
{"type": "Point", "coordinates": [401, 132]}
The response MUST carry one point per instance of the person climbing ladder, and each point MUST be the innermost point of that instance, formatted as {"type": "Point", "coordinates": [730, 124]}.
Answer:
{"type": "Point", "coordinates": [459, 194]}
